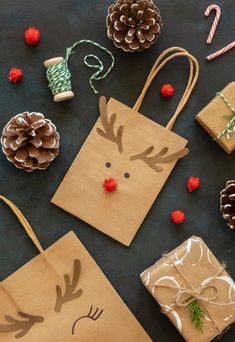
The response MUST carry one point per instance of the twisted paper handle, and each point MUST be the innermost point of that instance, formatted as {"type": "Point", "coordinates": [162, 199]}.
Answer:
{"type": "Point", "coordinates": [161, 61]}
{"type": "Point", "coordinates": [24, 223]}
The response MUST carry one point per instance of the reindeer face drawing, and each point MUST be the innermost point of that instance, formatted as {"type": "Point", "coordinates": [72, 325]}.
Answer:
{"type": "Point", "coordinates": [119, 171]}
{"type": "Point", "coordinates": [62, 295]}
{"type": "Point", "coordinates": [153, 160]}
{"type": "Point", "coordinates": [21, 327]}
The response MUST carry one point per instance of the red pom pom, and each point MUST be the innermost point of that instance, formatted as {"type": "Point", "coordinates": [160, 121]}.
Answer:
{"type": "Point", "coordinates": [32, 35]}
{"type": "Point", "coordinates": [110, 185]}
{"type": "Point", "coordinates": [193, 183]}
{"type": "Point", "coordinates": [167, 90]}
{"type": "Point", "coordinates": [15, 75]}
{"type": "Point", "coordinates": [177, 216]}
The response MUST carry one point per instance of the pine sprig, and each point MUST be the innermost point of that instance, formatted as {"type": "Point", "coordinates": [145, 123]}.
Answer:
{"type": "Point", "coordinates": [196, 315]}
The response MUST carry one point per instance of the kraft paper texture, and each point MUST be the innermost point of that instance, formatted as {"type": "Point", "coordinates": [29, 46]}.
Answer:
{"type": "Point", "coordinates": [196, 265]}
{"type": "Point", "coordinates": [118, 214]}
{"type": "Point", "coordinates": [96, 313]}
{"type": "Point", "coordinates": [212, 117]}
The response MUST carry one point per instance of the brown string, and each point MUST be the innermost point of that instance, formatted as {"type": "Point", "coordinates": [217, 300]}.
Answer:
{"type": "Point", "coordinates": [195, 293]}
{"type": "Point", "coordinates": [161, 61]}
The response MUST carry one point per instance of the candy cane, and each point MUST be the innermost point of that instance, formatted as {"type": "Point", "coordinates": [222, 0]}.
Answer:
{"type": "Point", "coordinates": [215, 22]}
{"type": "Point", "coordinates": [221, 52]}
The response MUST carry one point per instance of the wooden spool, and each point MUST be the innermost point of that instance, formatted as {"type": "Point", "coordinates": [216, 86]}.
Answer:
{"type": "Point", "coordinates": [65, 95]}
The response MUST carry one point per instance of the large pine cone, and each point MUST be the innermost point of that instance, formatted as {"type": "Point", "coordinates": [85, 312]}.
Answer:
{"type": "Point", "coordinates": [133, 25]}
{"type": "Point", "coordinates": [227, 203]}
{"type": "Point", "coordinates": [30, 141]}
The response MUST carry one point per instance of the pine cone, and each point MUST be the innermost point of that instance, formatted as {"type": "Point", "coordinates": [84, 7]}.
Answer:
{"type": "Point", "coordinates": [227, 203]}
{"type": "Point", "coordinates": [133, 25]}
{"type": "Point", "coordinates": [30, 141]}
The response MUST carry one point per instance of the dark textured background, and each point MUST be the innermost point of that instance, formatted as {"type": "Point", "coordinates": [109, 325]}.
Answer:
{"type": "Point", "coordinates": [63, 22]}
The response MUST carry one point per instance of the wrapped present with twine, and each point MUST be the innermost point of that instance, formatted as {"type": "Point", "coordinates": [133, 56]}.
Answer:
{"type": "Point", "coordinates": [218, 118]}
{"type": "Point", "coordinates": [194, 290]}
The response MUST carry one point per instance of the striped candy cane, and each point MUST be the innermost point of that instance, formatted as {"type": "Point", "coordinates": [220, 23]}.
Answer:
{"type": "Point", "coordinates": [221, 52]}
{"type": "Point", "coordinates": [215, 22]}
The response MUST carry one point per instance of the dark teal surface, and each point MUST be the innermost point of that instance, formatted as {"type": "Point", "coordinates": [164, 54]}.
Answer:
{"type": "Point", "coordinates": [62, 22]}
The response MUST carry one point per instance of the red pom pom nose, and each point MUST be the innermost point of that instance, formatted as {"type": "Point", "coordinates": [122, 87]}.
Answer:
{"type": "Point", "coordinates": [110, 185]}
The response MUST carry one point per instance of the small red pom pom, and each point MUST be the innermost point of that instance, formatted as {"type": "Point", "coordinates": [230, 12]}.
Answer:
{"type": "Point", "coordinates": [110, 185]}
{"type": "Point", "coordinates": [193, 183]}
{"type": "Point", "coordinates": [32, 35]}
{"type": "Point", "coordinates": [167, 90]}
{"type": "Point", "coordinates": [177, 216]}
{"type": "Point", "coordinates": [15, 75]}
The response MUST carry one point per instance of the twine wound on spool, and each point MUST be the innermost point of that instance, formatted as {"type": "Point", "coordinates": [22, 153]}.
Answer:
{"type": "Point", "coordinates": [59, 76]}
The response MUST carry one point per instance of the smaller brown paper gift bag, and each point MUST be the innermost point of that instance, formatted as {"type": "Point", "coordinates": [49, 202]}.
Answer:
{"type": "Point", "coordinates": [61, 295]}
{"type": "Point", "coordinates": [190, 276]}
{"type": "Point", "coordinates": [218, 118]}
{"type": "Point", "coordinates": [135, 151]}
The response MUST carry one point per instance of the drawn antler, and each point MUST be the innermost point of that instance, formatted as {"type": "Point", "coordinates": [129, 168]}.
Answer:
{"type": "Point", "coordinates": [93, 316]}
{"type": "Point", "coordinates": [22, 326]}
{"type": "Point", "coordinates": [69, 288]}
{"type": "Point", "coordinates": [159, 157]}
{"type": "Point", "coordinates": [108, 125]}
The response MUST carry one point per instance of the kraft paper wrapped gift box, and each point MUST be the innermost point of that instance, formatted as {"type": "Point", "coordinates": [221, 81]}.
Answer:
{"type": "Point", "coordinates": [188, 273]}
{"type": "Point", "coordinates": [218, 115]}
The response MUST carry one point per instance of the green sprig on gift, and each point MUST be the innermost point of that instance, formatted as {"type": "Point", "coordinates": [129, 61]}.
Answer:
{"type": "Point", "coordinates": [196, 314]}
{"type": "Point", "coordinates": [230, 128]}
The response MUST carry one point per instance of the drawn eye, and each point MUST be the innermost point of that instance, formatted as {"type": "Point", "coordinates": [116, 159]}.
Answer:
{"type": "Point", "coordinates": [126, 175]}
{"type": "Point", "coordinates": [92, 314]}
{"type": "Point", "coordinates": [108, 165]}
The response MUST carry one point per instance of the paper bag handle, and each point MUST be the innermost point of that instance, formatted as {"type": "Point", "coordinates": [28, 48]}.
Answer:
{"type": "Point", "coordinates": [161, 61]}
{"type": "Point", "coordinates": [24, 223]}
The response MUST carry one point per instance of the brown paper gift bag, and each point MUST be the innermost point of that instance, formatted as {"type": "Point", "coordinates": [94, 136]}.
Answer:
{"type": "Point", "coordinates": [134, 150]}
{"type": "Point", "coordinates": [61, 295]}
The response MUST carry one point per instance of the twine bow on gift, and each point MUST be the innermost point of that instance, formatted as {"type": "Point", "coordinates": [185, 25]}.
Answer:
{"type": "Point", "coordinates": [230, 128]}
{"type": "Point", "coordinates": [186, 296]}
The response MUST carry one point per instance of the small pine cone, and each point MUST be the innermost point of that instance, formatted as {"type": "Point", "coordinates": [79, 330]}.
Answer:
{"type": "Point", "coordinates": [133, 25]}
{"type": "Point", "coordinates": [227, 203]}
{"type": "Point", "coordinates": [30, 141]}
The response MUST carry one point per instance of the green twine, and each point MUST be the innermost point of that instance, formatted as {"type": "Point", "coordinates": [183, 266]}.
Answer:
{"type": "Point", "coordinates": [59, 76]}
{"type": "Point", "coordinates": [230, 127]}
